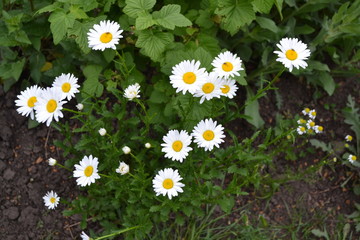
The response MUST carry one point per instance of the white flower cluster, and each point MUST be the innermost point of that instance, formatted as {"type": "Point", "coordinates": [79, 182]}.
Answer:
{"type": "Point", "coordinates": [308, 125]}
{"type": "Point", "coordinates": [46, 104]}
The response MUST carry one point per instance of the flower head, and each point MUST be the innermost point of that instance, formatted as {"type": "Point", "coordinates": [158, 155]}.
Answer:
{"type": "Point", "coordinates": [147, 145]}
{"type": "Point", "coordinates": [305, 111]}
{"type": "Point", "coordinates": [102, 131]}
{"type": "Point", "coordinates": [104, 35]}
{"type": "Point", "coordinates": [208, 134]}
{"type": "Point", "coordinates": [52, 161]}
{"type": "Point", "coordinates": [79, 106]}
{"type": "Point", "coordinates": [167, 181]}
{"type": "Point", "coordinates": [86, 171]}
{"type": "Point", "coordinates": [26, 101]}
{"type": "Point", "coordinates": [84, 236]}
{"type": "Point", "coordinates": [123, 168]}
{"type": "Point", "coordinates": [132, 91]}
{"type": "Point", "coordinates": [176, 145]}
{"type": "Point", "coordinates": [51, 199]}
{"type": "Point", "coordinates": [292, 53]}
{"type": "Point", "coordinates": [352, 158]}
{"type": "Point", "coordinates": [227, 65]}
{"type": "Point", "coordinates": [301, 130]}
{"type": "Point", "coordinates": [348, 138]}
{"type": "Point", "coordinates": [310, 124]}
{"type": "Point", "coordinates": [187, 76]}
{"type": "Point", "coordinates": [126, 150]}
{"type": "Point", "coordinates": [318, 129]}
{"type": "Point", "coordinates": [67, 85]}
{"type": "Point", "coordinates": [301, 121]}
{"type": "Point", "coordinates": [312, 114]}
{"type": "Point", "coordinates": [49, 106]}
{"type": "Point", "coordinates": [209, 88]}
{"type": "Point", "coordinates": [228, 88]}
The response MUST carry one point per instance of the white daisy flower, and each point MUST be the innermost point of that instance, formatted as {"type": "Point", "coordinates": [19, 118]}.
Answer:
{"type": "Point", "coordinates": [352, 158]}
{"type": "Point", "coordinates": [348, 138]}
{"type": "Point", "coordinates": [48, 106]}
{"type": "Point", "coordinates": [301, 121]}
{"type": "Point", "coordinates": [104, 35]}
{"type": "Point", "coordinates": [293, 53]}
{"type": "Point", "coordinates": [310, 124]}
{"type": "Point", "coordinates": [227, 65]}
{"type": "Point", "coordinates": [306, 111]}
{"type": "Point", "coordinates": [318, 129]}
{"type": "Point", "coordinates": [301, 130]}
{"type": "Point", "coordinates": [123, 168]}
{"type": "Point", "coordinates": [26, 101]}
{"type": "Point", "coordinates": [147, 145]}
{"type": "Point", "coordinates": [176, 146]}
{"type": "Point", "coordinates": [86, 171]}
{"type": "Point", "coordinates": [209, 88]}
{"type": "Point", "coordinates": [67, 85]}
{"type": "Point", "coordinates": [167, 181]}
{"type": "Point", "coordinates": [187, 76]}
{"type": "Point", "coordinates": [228, 88]}
{"type": "Point", "coordinates": [52, 161]}
{"type": "Point", "coordinates": [126, 150]}
{"type": "Point", "coordinates": [312, 114]}
{"type": "Point", "coordinates": [102, 131]}
{"type": "Point", "coordinates": [51, 199]}
{"type": "Point", "coordinates": [207, 134]}
{"type": "Point", "coordinates": [84, 236]}
{"type": "Point", "coordinates": [79, 106]}
{"type": "Point", "coordinates": [132, 91]}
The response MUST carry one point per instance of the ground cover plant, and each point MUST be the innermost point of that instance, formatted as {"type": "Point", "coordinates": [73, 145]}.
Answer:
{"type": "Point", "coordinates": [145, 94]}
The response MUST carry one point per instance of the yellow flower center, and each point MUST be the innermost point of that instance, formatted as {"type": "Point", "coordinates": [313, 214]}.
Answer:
{"type": "Point", "coordinates": [31, 102]}
{"type": "Point", "coordinates": [312, 124]}
{"type": "Point", "coordinates": [291, 54]}
{"type": "Point", "coordinates": [88, 171]}
{"type": "Point", "coordinates": [302, 120]}
{"type": "Point", "coordinates": [66, 87]}
{"type": "Point", "coordinates": [208, 135]}
{"type": "Point", "coordinates": [52, 200]}
{"type": "Point", "coordinates": [51, 105]}
{"type": "Point", "coordinates": [307, 110]}
{"type": "Point", "coordinates": [168, 183]}
{"type": "Point", "coordinates": [320, 128]}
{"type": "Point", "coordinates": [353, 158]}
{"type": "Point", "coordinates": [106, 37]}
{"type": "Point", "coordinates": [302, 129]}
{"type": "Point", "coordinates": [313, 114]}
{"type": "Point", "coordinates": [349, 138]}
{"type": "Point", "coordinates": [208, 88]}
{"type": "Point", "coordinates": [225, 89]}
{"type": "Point", "coordinates": [177, 146]}
{"type": "Point", "coordinates": [227, 66]}
{"type": "Point", "coordinates": [189, 77]}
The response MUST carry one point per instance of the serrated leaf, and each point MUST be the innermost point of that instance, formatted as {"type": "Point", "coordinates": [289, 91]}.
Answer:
{"type": "Point", "coordinates": [263, 6]}
{"type": "Point", "coordinates": [170, 17]}
{"type": "Point", "coordinates": [144, 21]}
{"type": "Point", "coordinates": [319, 233]}
{"type": "Point", "coordinates": [203, 56]}
{"type": "Point", "coordinates": [154, 42]}
{"type": "Point", "coordinates": [327, 82]}
{"type": "Point", "coordinates": [77, 12]}
{"type": "Point", "coordinates": [267, 23]}
{"type": "Point", "coordinates": [235, 14]}
{"type": "Point", "coordinates": [79, 32]}
{"type": "Point", "coordinates": [92, 85]}
{"type": "Point", "coordinates": [59, 24]}
{"type": "Point", "coordinates": [134, 7]}
{"type": "Point", "coordinates": [226, 203]}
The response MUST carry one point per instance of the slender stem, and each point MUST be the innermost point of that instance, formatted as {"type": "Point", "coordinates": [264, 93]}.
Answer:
{"type": "Point", "coordinates": [146, 117]}
{"type": "Point", "coordinates": [73, 111]}
{"type": "Point", "coordinates": [62, 166]}
{"type": "Point", "coordinates": [104, 175]}
{"type": "Point", "coordinates": [116, 233]}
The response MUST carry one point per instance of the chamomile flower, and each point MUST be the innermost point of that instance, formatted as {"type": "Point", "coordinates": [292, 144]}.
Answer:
{"type": "Point", "coordinates": [26, 101]}
{"type": "Point", "coordinates": [348, 138]}
{"type": "Point", "coordinates": [227, 65]}
{"type": "Point", "coordinates": [352, 158]}
{"type": "Point", "coordinates": [104, 35]}
{"type": "Point", "coordinates": [209, 88]}
{"type": "Point", "coordinates": [310, 124]}
{"type": "Point", "coordinates": [301, 121]}
{"type": "Point", "coordinates": [292, 53]}
{"type": "Point", "coordinates": [187, 76]}
{"type": "Point", "coordinates": [49, 106]}
{"type": "Point", "coordinates": [318, 129]}
{"type": "Point", "coordinates": [123, 168]}
{"type": "Point", "coordinates": [86, 171]}
{"type": "Point", "coordinates": [305, 111]}
{"type": "Point", "coordinates": [167, 181]}
{"type": "Point", "coordinates": [228, 88]}
{"type": "Point", "coordinates": [126, 150]}
{"type": "Point", "coordinates": [176, 145]}
{"type": "Point", "coordinates": [301, 130]}
{"type": "Point", "coordinates": [208, 134]}
{"type": "Point", "coordinates": [132, 91]}
{"type": "Point", "coordinates": [51, 199]}
{"type": "Point", "coordinates": [67, 85]}
{"type": "Point", "coordinates": [312, 114]}
{"type": "Point", "coordinates": [84, 236]}
{"type": "Point", "coordinates": [102, 131]}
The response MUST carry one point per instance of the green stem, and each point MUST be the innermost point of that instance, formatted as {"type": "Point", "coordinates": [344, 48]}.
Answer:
{"type": "Point", "coordinates": [73, 111]}
{"type": "Point", "coordinates": [62, 166]}
{"type": "Point", "coordinates": [146, 117]}
{"type": "Point", "coordinates": [116, 233]}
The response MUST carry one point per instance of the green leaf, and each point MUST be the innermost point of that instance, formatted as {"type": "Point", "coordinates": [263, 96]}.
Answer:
{"type": "Point", "coordinates": [267, 23]}
{"type": "Point", "coordinates": [77, 12]}
{"type": "Point", "coordinates": [226, 203]}
{"type": "Point", "coordinates": [59, 24]}
{"type": "Point", "coordinates": [203, 56]}
{"type": "Point", "coordinates": [79, 32]}
{"type": "Point", "coordinates": [319, 233]}
{"type": "Point", "coordinates": [134, 7]}
{"type": "Point", "coordinates": [11, 73]}
{"type": "Point", "coordinates": [327, 82]}
{"type": "Point", "coordinates": [263, 6]}
{"type": "Point", "coordinates": [252, 110]}
{"type": "Point", "coordinates": [320, 144]}
{"type": "Point", "coordinates": [278, 4]}
{"type": "Point", "coordinates": [144, 21]}
{"type": "Point", "coordinates": [235, 14]}
{"type": "Point", "coordinates": [92, 85]}
{"type": "Point", "coordinates": [153, 43]}
{"type": "Point", "coordinates": [49, 8]}
{"type": "Point", "coordinates": [170, 17]}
